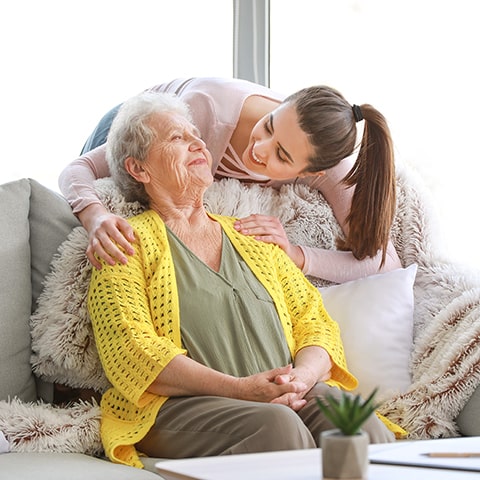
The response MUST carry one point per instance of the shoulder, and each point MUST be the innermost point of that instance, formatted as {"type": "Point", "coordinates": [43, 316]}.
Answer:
{"type": "Point", "coordinates": [225, 221]}
{"type": "Point", "coordinates": [226, 90]}
{"type": "Point", "coordinates": [145, 218]}
{"type": "Point", "coordinates": [245, 242]}
{"type": "Point", "coordinates": [215, 89]}
{"type": "Point", "coordinates": [148, 224]}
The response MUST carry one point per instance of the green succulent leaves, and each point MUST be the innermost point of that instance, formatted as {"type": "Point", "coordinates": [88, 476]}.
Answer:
{"type": "Point", "coordinates": [348, 413]}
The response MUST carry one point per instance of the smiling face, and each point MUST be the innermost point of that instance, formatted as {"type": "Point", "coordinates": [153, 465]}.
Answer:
{"type": "Point", "coordinates": [278, 148]}
{"type": "Point", "coordinates": [177, 160]}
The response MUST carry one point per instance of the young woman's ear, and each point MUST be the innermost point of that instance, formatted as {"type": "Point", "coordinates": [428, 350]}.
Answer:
{"type": "Point", "coordinates": [136, 170]}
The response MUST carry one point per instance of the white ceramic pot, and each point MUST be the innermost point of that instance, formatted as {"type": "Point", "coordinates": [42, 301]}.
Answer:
{"type": "Point", "coordinates": [344, 456]}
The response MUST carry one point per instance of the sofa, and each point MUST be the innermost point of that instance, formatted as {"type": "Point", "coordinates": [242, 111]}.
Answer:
{"type": "Point", "coordinates": [429, 347]}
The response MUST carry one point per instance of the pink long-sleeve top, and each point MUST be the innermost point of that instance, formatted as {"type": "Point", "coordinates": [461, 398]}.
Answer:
{"type": "Point", "coordinates": [216, 104]}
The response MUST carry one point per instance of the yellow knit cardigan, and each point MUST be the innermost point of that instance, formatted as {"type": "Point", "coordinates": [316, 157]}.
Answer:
{"type": "Point", "coordinates": [134, 310]}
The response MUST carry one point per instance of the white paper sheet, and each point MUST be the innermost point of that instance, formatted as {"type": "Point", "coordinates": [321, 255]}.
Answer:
{"type": "Point", "coordinates": [414, 453]}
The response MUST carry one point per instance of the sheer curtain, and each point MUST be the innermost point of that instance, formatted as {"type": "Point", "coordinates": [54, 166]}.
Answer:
{"type": "Point", "coordinates": [65, 63]}
{"type": "Point", "coordinates": [416, 61]}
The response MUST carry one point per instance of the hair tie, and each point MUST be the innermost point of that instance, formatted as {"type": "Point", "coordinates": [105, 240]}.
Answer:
{"type": "Point", "coordinates": [357, 113]}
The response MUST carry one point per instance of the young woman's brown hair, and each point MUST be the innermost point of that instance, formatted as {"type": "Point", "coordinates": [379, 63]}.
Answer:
{"type": "Point", "coordinates": [331, 123]}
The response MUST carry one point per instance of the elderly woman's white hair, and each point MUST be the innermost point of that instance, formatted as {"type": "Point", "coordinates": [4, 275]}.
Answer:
{"type": "Point", "coordinates": [131, 135]}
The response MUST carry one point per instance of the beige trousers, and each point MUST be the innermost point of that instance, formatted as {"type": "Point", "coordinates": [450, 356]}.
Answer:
{"type": "Point", "coordinates": [205, 426]}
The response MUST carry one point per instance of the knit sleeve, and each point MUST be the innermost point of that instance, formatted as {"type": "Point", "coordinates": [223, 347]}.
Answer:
{"type": "Point", "coordinates": [132, 328]}
{"type": "Point", "coordinates": [311, 323]}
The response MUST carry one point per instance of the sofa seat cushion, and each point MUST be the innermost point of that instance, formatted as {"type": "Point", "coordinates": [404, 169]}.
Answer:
{"type": "Point", "coordinates": [16, 378]}
{"type": "Point", "coordinates": [71, 466]}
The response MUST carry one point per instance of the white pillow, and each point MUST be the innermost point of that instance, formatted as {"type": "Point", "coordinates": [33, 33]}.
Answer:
{"type": "Point", "coordinates": [375, 315]}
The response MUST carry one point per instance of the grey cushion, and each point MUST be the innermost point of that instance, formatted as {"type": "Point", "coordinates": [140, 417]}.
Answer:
{"type": "Point", "coordinates": [468, 421]}
{"type": "Point", "coordinates": [51, 220]}
{"type": "Point", "coordinates": [16, 377]}
{"type": "Point", "coordinates": [63, 466]}
{"type": "Point", "coordinates": [34, 222]}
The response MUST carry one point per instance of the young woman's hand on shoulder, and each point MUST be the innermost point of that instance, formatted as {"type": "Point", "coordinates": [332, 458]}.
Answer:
{"type": "Point", "coordinates": [110, 236]}
{"type": "Point", "coordinates": [269, 229]}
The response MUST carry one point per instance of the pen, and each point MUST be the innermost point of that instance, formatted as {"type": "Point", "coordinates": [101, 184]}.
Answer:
{"type": "Point", "coordinates": [452, 454]}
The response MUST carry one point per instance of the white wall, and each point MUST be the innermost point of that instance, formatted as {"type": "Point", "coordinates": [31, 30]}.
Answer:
{"type": "Point", "coordinates": [65, 63]}
{"type": "Point", "coordinates": [417, 61]}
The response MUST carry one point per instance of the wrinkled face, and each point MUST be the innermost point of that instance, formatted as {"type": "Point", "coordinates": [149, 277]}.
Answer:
{"type": "Point", "coordinates": [178, 158]}
{"type": "Point", "coordinates": [278, 148]}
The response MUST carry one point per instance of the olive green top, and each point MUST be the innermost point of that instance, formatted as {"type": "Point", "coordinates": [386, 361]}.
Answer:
{"type": "Point", "coordinates": [228, 320]}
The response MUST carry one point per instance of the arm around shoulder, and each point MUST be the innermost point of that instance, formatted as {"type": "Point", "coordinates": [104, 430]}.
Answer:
{"type": "Point", "coordinates": [77, 178]}
{"type": "Point", "coordinates": [342, 266]}
{"type": "Point", "coordinates": [110, 236]}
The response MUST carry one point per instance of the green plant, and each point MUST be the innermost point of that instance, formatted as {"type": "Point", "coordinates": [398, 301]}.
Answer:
{"type": "Point", "coordinates": [348, 413]}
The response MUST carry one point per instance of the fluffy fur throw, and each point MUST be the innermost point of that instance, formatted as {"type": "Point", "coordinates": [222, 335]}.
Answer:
{"type": "Point", "coordinates": [41, 427]}
{"type": "Point", "coordinates": [446, 351]}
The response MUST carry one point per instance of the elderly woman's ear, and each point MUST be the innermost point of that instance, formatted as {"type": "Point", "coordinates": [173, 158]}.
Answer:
{"type": "Point", "coordinates": [136, 170]}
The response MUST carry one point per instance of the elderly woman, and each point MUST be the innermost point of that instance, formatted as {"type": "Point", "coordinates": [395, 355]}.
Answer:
{"type": "Point", "coordinates": [214, 342]}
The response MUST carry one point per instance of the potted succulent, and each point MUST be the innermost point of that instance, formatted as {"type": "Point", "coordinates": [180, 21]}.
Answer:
{"type": "Point", "coordinates": [345, 448]}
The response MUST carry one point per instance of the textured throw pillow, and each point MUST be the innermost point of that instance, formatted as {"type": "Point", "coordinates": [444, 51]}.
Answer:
{"type": "Point", "coordinates": [375, 315]}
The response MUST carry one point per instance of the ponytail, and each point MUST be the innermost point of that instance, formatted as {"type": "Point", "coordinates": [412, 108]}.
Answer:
{"type": "Point", "coordinates": [330, 123]}
{"type": "Point", "coordinates": [374, 200]}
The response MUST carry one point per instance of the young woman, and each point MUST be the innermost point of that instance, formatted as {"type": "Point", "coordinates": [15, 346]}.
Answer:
{"type": "Point", "coordinates": [257, 135]}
